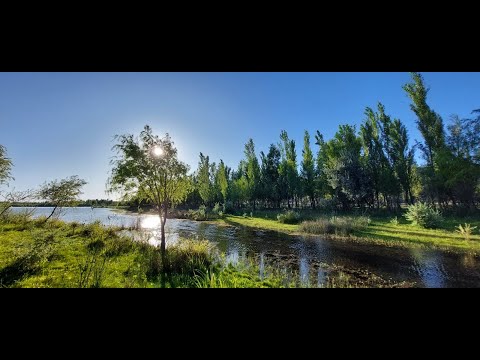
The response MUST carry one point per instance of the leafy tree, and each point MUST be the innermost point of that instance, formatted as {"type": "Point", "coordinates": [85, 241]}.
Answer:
{"type": "Point", "coordinates": [270, 175]}
{"type": "Point", "coordinates": [308, 170]}
{"type": "Point", "coordinates": [61, 193]}
{"type": "Point", "coordinates": [203, 179]}
{"type": "Point", "coordinates": [403, 158]}
{"type": "Point", "coordinates": [149, 168]}
{"type": "Point", "coordinates": [222, 180]}
{"type": "Point", "coordinates": [343, 169]}
{"type": "Point", "coordinates": [375, 160]}
{"type": "Point", "coordinates": [5, 166]}
{"type": "Point", "coordinates": [430, 125]}
{"type": "Point", "coordinates": [321, 185]}
{"type": "Point", "coordinates": [252, 172]}
{"type": "Point", "coordinates": [429, 122]}
{"type": "Point", "coordinates": [288, 167]}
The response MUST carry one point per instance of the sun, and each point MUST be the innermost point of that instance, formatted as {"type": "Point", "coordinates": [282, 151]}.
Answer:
{"type": "Point", "coordinates": [157, 151]}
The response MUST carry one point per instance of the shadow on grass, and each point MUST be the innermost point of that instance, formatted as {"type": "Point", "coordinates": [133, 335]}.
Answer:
{"type": "Point", "coordinates": [23, 266]}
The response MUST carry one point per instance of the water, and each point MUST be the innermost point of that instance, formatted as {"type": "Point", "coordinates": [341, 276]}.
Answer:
{"type": "Point", "coordinates": [312, 257]}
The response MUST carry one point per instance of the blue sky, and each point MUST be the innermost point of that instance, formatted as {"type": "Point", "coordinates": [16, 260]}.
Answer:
{"type": "Point", "coordinates": [59, 124]}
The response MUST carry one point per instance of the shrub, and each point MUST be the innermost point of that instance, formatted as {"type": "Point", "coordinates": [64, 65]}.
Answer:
{"type": "Point", "coordinates": [394, 221]}
{"type": "Point", "coordinates": [197, 215]}
{"type": "Point", "coordinates": [424, 215]}
{"type": "Point", "coordinates": [216, 209]}
{"type": "Point", "coordinates": [344, 225]}
{"type": "Point", "coordinates": [289, 217]}
{"type": "Point", "coordinates": [466, 230]}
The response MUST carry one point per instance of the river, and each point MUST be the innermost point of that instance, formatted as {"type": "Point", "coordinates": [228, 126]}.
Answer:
{"type": "Point", "coordinates": [313, 258]}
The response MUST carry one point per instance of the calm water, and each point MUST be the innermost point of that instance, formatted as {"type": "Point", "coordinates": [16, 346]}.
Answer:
{"type": "Point", "coordinates": [312, 257]}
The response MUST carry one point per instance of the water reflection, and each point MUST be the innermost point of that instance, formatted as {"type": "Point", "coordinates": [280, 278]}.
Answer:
{"type": "Point", "coordinates": [310, 257]}
{"type": "Point", "coordinates": [429, 265]}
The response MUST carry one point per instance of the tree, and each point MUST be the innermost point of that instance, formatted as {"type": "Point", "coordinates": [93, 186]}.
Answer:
{"type": "Point", "coordinates": [253, 172]}
{"type": "Point", "coordinates": [203, 179]}
{"type": "Point", "coordinates": [321, 183]}
{"type": "Point", "coordinates": [344, 169]}
{"type": "Point", "coordinates": [5, 166]}
{"type": "Point", "coordinates": [403, 158]}
{"type": "Point", "coordinates": [61, 193]}
{"type": "Point", "coordinates": [429, 122]}
{"type": "Point", "coordinates": [149, 168]}
{"type": "Point", "coordinates": [270, 175]}
{"type": "Point", "coordinates": [288, 167]}
{"type": "Point", "coordinates": [222, 180]}
{"type": "Point", "coordinates": [308, 170]}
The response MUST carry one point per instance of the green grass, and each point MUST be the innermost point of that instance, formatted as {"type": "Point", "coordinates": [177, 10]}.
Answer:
{"type": "Point", "coordinates": [35, 253]}
{"type": "Point", "coordinates": [444, 238]}
{"type": "Point", "coordinates": [381, 230]}
{"type": "Point", "coordinates": [258, 223]}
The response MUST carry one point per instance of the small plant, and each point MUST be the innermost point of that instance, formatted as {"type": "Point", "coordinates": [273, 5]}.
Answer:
{"type": "Point", "coordinates": [394, 221]}
{"type": "Point", "coordinates": [466, 230]}
{"type": "Point", "coordinates": [216, 209]}
{"type": "Point", "coordinates": [424, 215]}
{"type": "Point", "coordinates": [244, 215]}
{"type": "Point", "coordinates": [289, 217]}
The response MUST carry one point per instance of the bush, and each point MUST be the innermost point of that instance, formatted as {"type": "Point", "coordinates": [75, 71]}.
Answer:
{"type": "Point", "coordinates": [289, 217]}
{"type": "Point", "coordinates": [394, 221]}
{"type": "Point", "coordinates": [337, 225]}
{"type": "Point", "coordinates": [216, 209]}
{"type": "Point", "coordinates": [424, 215]}
{"type": "Point", "coordinates": [197, 215]}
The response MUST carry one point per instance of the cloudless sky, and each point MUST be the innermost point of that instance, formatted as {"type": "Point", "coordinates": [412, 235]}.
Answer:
{"type": "Point", "coordinates": [59, 124]}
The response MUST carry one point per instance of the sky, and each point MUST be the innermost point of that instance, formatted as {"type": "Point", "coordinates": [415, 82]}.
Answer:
{"type": "Point", "coordinates": [59, 124]}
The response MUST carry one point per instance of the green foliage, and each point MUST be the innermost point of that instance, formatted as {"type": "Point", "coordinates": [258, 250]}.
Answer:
{"type": "Point", "coordinates": [343, 169]}
{"type": "Point", "coordinates": [308, 170]}
{"type": "Point", "coordinates": [222, 179]}
{"type": "Point", "coordinates": [289, 217]}
{"type": "Point", "coordinates": [198, 215]}
{"type": "Point", "coordinates": [149, 169]}
{"type": "Point", "coordinates": [289, 180]}
{"type": "Point", "coordinates": [466, 230]}
{"type": "Point", "coordinates": [62, 193]}
{"type": "Point", "coordinates": [338, 225]}
{"type": "Point", "coordinates": [252, 173]}
{"type": "Point", "coordinates": [270, 177]}
{"type": "Point", "coordinates": [216, 209]}
{"type": "Point", "coordinates": [5, 166]}
{"type": "Point", "coordinates": [429, 122]}
{"type": "Point", "coordinates": [424, 215]}
{"type": "Point", "coordinates": [394, 221]}
{"type": "Point", "coordinates": [204, 180]}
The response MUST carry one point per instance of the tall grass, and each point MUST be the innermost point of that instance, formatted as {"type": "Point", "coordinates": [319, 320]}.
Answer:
{"type": "Point", "coordinates": [337, 225]}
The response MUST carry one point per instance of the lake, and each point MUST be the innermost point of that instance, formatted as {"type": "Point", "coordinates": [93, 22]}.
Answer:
{"type": "Point", "coordinates": [313, 258]}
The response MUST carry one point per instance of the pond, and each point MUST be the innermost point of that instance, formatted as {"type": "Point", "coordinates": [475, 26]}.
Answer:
{"type": "Point", "coordinates": [313, 258]}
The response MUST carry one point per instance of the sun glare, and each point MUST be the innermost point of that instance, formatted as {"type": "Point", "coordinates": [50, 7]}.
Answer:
{"type": "Point", "coordinates": [157, 151]}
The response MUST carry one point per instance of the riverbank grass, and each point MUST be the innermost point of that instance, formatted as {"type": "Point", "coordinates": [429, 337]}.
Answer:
{"type": "Point", "coordinates": [36, 253]}
{"type": "Point", "coordinates": [379, 229]}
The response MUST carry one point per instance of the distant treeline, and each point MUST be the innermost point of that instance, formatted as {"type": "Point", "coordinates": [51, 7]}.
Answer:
{"type": "Point", "coordinates": [91, 203]}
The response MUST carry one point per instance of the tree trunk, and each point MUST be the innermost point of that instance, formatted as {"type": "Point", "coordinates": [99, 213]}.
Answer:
{"type": "Point", "coordinates": [49, 216]}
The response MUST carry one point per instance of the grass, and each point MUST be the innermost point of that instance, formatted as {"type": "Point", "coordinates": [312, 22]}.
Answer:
{"type": "Point", "coordinates": [258, 223]}
{"type": "Point", "coordinates": [35, 253]}
{"type": "Point", "coordinates": [381, 229]}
